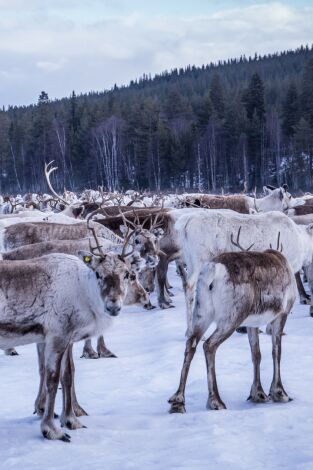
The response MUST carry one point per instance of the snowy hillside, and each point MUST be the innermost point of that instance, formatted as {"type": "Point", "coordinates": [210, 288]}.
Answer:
{"type": "Point", "coordinates": [126, 398]}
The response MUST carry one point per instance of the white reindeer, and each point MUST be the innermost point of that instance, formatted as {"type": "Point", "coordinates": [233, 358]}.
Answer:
{"type": "Point", "coordinates": [234, 289]}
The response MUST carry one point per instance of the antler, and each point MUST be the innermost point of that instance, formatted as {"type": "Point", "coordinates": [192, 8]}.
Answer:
{"type": "Point", "coordinates": [237, 244]}
{"type": "Point", "coordinates": [48, 170]}
{"type": "Point", "coordinates": [278, 248]}
{"type": "Point", "coordinates": [156, 222]}
{"type": "Point", "coordinates": [93, 231]}
{"type": "Point", "coordinates": [125, 220]}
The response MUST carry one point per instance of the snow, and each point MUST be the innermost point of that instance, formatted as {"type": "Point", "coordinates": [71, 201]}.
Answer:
{"type": "Point", "coordinates": [128, 424]}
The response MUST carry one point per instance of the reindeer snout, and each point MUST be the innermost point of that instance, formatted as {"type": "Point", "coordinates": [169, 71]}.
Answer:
{"type": "Point", "coordinates": [113, 307]}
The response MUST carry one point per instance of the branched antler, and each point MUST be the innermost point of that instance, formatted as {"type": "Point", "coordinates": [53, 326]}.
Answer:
{"type": "Point", "coordinates": [237, 244]}
{"type": "Point", "coordinates": [94, 234]}
{"type": "Point", "coordinates": [48, 170]}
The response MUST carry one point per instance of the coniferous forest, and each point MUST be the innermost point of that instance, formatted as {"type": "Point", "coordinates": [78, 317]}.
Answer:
{"type": "Point", "coordinates": [230, 126]}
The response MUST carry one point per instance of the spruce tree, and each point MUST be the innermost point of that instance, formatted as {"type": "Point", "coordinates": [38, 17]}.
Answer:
{"type": "Point", "coordinates": [290, 112]}
{"type": "Point", "coordinates": [217, 96]}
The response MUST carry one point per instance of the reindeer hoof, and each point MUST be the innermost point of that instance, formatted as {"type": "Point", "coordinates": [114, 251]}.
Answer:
{"type": "Point", "coordinates": [258, 397]}
{"type": "Point", "coordinates": [72, 423]}
{"type": "Point", "coordinates": [106, 354]}
{"type": "Point", "coordinates": [90, 355]}
{"type": "Point", "coordinates": [177, 408]}
{"type": "Point", "coordinates": [149, 306]}
{"type": "Point", "coordinates": [52, 433]}
{"type": "Point", "coordinates": [165, 305]}
{"type": "Point", "coordinates": [280, 396]}
{"type": "Point", "coordinates": [215, 404]}
{"type": "Point", "coordinates": [11, 352]}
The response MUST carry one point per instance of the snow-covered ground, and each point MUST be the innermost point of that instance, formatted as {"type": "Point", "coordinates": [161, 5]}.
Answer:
{"type": "Point", "coordinates": [128, 423]}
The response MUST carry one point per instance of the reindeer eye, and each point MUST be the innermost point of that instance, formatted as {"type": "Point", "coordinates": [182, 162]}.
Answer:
{"type": "Point", "coordinates": [137, 242]}
{"type": "Point", "coordinates": [126, 275]}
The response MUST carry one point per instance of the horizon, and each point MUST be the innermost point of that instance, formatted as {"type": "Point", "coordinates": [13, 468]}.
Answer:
{"type": "Point", "coordinates": [59, 46]}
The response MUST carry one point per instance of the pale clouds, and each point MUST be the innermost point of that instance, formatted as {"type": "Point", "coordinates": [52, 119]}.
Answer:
{"type": "Point", "coordinates": [45, 49]}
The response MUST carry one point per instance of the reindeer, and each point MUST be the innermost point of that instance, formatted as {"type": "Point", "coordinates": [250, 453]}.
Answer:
{"type": "Point", "coordinates": [202, 235]}
{"type": "Point", "coordinates": [26, 233]}
{"type": "Point", "coordinates": [145, 257]}
{"type": "Point", "coordinates": [145, 244]}
{"type": "Point", "coordinates": [275, 199]}
{"type": "Point", "coordinates": [278, 199]}
{"type": "Point", "coordinates": [233, 289]}
{"type": "Point", "coordinates": [55, 301]}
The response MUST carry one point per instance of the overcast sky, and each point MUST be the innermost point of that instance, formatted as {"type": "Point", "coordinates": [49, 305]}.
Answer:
{"type": "Point", "coordinates": [64, 45]}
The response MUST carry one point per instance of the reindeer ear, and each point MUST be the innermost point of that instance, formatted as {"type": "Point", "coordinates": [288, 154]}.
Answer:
{"type": "Point", "coordinates": [281, 193]}
{"type": "Point", "coordinates": [267, 190]}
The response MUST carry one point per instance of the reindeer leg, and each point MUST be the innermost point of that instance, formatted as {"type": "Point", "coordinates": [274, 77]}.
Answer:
{"type": "Point", "coordinates": [103, 351]}
{"type": "Point", "coordinates": [88, 351]}
{"type": "Point", "coordinates": [41, 396]}
{"type": "Point", "coordinates": [181, 271]}
{"type": "Point", "coordinates": [277, 392]}
{"type": "Point", "coordinates": [161, 277]}
{"type": "Point", "coordinates": [177, 401]}
{"type": "Point", "coordinates": [257, 393]}
{"type": "Point", "coordinates": [54, 351]}
{"type": "Point", "coordinates": [304, 297]}
{"type": "Point", "coordinates": [11, 352]}
{"type": "Point", "coordinates": [143, 296]}
{"type": "Point", "coordinates": [210, 347]}
{"type": "Point", "coordinates": [68, 417]}
{"type": "Point", "coordinates": [78, 410]}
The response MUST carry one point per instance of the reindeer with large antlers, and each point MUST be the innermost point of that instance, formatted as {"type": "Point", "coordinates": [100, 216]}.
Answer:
{"type": "Point", "coordinates": [239, 288]}
{"type": "Point", "coordinates": [142, 244]}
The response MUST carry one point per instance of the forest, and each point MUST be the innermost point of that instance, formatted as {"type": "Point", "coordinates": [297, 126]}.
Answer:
{"type": "Point", "coordinates": [223, 127]}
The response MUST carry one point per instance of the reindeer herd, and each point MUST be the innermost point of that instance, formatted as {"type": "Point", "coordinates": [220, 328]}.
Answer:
{"type": "Point", "coordinates": [69, 263]}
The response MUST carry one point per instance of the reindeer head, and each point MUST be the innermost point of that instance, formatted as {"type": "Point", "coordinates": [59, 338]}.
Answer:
{"type": "Point", "coordinates": [280, 199]}
{"type": "Point", "coordinates": [112, 274]}
{"type": "Point", "coordinates": [112, 270]}
{"type": "Point", "coordinates": [144, 242]}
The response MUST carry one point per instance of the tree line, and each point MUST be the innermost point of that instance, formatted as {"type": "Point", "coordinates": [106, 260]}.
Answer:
{"type": "Point", "coordinates": [230, 126]}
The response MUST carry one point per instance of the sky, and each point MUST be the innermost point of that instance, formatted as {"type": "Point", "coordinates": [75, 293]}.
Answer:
{"type": "Point", "coordinates": [63, 45]}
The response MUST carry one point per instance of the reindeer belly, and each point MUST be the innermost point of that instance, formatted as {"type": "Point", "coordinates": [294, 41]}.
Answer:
{"type": "Point", "coordinates": [18, 335]}
{"type": "Point", "coordinates": [259, 319]}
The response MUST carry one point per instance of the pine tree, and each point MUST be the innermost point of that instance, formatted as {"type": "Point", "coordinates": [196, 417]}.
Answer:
{"type": "Point", "coordinates": [217, 96]}
{"type": "Point", "coordinates": [290, 113]}
{"type": "Point", "coordinates": [307, 93]}
{"type": "Point", "coordinates": [254, 102]}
